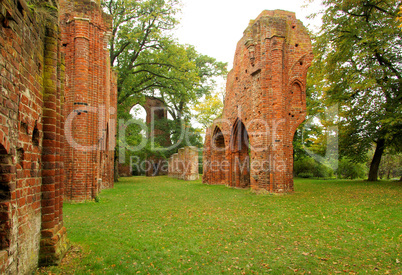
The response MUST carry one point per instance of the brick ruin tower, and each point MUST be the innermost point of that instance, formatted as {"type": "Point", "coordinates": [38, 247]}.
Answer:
{"type": "Point", "coordinates": [91, 98]}
{"type": "Point", "coordinates": [251, 144]}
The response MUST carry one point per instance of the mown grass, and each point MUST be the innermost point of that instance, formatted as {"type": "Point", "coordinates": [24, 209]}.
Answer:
{"type": "Point", "coordinates": [167, 226]}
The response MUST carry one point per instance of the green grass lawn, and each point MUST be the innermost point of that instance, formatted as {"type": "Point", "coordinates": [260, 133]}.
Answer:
{"type": "Point", "coordinates": [166, 226]}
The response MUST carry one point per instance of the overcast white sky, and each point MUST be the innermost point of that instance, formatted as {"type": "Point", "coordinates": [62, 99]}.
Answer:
{"type": "Point", "coordinates": [215, 26]}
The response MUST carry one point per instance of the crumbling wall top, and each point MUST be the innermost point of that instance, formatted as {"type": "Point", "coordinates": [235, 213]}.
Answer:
{"type": "Point", "coordinates": [87, 10]}
{"type": "Point", "coordinates": [278, 23]}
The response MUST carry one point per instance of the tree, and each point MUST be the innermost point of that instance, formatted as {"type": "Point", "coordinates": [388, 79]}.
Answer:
{"type": "Point", "coordinates": [315, 136]}
{"type": "Point", "coordinates": [359, 57]}
{"type": "Point", "coordinates": [208, 110]}
{"type": "Point", "coordinates": [148, 59]}
{"type": "Point", "coordinates": [140, 28]}
{"type": "Point", "coordinates": [197, 81]}
{"type": "Point", "coordinates": [348, 169]}
{"type": "Point", "coordinates": [391, 166]}
{"type": "Point", "coordinates": [150, 62]}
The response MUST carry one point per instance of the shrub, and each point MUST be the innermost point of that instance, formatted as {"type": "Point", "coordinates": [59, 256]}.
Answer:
{"type": "Point", "coordinates": [305, 175]}
{"type": "Point", "coordinates": [348, 169]}
{"type": "Point", "coordinates": [307, 168]}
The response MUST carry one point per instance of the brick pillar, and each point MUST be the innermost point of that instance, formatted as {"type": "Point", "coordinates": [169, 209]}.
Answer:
{"type": "Point", "coordinates": [278, 123]}
{"type": "Point", "coordinates": [60, 133]}
{"type": "Point", "coordinates": [53, 243]}
{"type": "Point", "coordinates": [81, 185]}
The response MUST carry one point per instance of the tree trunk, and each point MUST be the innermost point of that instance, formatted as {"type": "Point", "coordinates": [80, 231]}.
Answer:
{"type": "Point", "coordinates": [375, 163]}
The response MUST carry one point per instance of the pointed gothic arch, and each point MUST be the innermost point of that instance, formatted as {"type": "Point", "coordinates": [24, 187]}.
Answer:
{"type": "Point", "coordinates": [239, 156]}
{"type": "Point", "coordinates": [218, 167]}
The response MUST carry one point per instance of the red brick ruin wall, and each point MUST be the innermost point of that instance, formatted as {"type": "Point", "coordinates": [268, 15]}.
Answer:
{"type": "Point", "coordinates": [48, 73]}
{"type": "Point", "coordinates": [91, 99]}
{"type": "Point", "coordinates": [31, 140]}
{"type": "Point", "coordinates": [251, 144]}
{"type": "Point", "coordinates": [184, 164]}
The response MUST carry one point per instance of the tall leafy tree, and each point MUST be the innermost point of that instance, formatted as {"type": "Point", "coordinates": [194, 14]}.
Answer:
{"type": "Point", "coordinates": [193, 78]}
{"type": "Point", "coordinates": [359, 58]}
{"type": "Point", "coordinates": [140, 28]}
{"type": "Point", "coordinates": [150, 62]}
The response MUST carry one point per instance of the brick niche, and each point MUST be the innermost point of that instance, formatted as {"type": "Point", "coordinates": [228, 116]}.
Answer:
{"type": "Point", "coordinates": [250, 145]}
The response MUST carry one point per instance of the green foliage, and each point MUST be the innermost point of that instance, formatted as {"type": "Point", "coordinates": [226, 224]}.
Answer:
{"type": "Point", "coordinates": [348, 169]}
{"type": "Point", "coordinates": [200, 162]}
{"type": "Point", "coordinates": [307, 167]}
{"type": "Point", "coordinates": [134, 139]}
{"type": "Point", "coordinates": [209, 109]}
{"type": "Point", "coordinates": [161, 225]}
{"type": "Point", "coordinates": [391, 166]}
{"type": "Point", "coordinates": [150, 62]}
{"type": "Point", "coordinates": [305, 175]}
{"type": "Point", "coordinates": [358, 66]}
{"type": "Point", "coordinates": [314, 134]}
{"type": "Point", "coordinates": [191, 83]}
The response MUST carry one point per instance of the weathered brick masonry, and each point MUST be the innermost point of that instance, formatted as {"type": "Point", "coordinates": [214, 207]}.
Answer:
{"type": "Point", "coordinates": [31, 139]}
{"type": "Point", "coordinates": [37, 90]}
{"type": "Point", "coordinates": [91, 98]}
{"type": "Point", "coordinates": [251, 144]}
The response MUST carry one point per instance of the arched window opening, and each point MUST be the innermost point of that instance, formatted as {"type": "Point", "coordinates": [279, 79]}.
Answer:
{"type": "Point", "coordinates": [139, 114]}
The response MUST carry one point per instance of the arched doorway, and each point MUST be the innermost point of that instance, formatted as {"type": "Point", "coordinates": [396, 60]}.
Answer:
{"type": "Point", "coordinates": [240, 157]}
{"type": "Point", "coordinates": [138, 134]}
{"type": "Point", "coordinates": [218, 157]}
{"type": "Point", "coordinates": [152, 116]}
